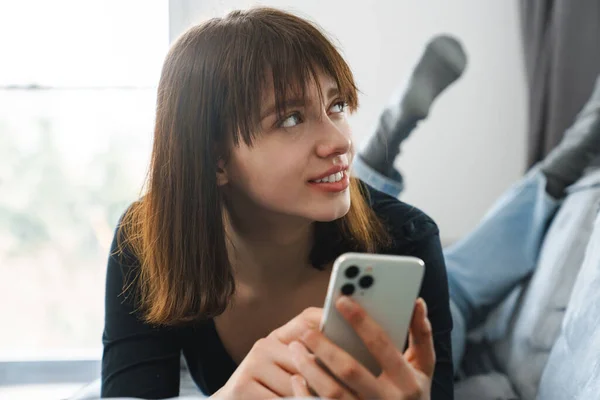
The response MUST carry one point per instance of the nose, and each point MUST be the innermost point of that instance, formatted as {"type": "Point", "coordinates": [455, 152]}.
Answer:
{"type": "Point", "coordinates": [333, 139]}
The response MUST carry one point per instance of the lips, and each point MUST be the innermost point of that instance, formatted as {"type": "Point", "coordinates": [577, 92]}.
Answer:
{"type": "Point", "coordinates": [335, 171]}
{"type": "Point", "coordinates": [331, 178]}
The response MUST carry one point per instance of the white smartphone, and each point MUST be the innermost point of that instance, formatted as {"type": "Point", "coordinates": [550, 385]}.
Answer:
{"type": "Point", "coordinates": [386, 286]}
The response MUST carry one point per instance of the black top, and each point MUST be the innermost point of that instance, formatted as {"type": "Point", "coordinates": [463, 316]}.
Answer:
{"type": "Point", "coordinates": [140, 360]}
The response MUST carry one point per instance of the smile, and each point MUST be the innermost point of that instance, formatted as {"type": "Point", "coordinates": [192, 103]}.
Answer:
{"type": "Point", "coordinates": [331, 178]}
{"type": "Point", "coordinates": [333, 183]}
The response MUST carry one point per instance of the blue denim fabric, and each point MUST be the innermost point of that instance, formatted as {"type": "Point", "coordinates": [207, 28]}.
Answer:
{"type": "Point", "coordinates": [393, 185]}
{"type": "Point", "coordinates": [486, 265]}
{"type": "Point", "coordinates": [490, 261]}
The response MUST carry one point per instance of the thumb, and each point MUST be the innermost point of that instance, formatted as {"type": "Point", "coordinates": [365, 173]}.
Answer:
{"type": "Point", "coordinates": [421, 353]}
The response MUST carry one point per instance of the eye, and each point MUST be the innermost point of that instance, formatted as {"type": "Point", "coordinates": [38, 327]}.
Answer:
{"type": "Point", "coordinates": [291, 120]}
{"type": "Point", "coordinates": [338, 107]}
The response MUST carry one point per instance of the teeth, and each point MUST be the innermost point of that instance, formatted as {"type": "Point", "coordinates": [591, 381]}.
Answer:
{"type": "Point", "coordinates": [331, 178]}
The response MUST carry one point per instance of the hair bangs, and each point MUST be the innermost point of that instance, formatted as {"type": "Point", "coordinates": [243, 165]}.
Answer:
{"type": "Point", "coordinates": [279, 54]}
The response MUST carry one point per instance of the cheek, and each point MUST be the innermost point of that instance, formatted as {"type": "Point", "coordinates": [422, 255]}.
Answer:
{"type": "Point", "coordinates": [260, 170]}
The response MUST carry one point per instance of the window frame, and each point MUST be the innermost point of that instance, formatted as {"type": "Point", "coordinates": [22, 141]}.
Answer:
{"type": "Point", "coordinates": [56, 370]}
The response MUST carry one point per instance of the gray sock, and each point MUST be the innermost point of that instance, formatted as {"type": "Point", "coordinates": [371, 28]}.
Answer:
{"type": "Point", "coordinates": [442, 62]}
{"type": "Point", "coordinates": [579, 148]}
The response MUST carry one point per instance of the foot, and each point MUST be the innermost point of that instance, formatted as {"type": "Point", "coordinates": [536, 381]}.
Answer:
{"type": "Point", "coordinates": [579, 148]}
{"type": "Point", "coordinates": [442, 62]}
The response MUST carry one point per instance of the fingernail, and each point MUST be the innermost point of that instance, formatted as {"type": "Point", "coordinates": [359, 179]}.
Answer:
{"type": "Point", "coordinates": [424, 305]}
{"type": "Point", "coordinates": [299, 380]}
{"type": "Point", "coordinates": [345, 304]}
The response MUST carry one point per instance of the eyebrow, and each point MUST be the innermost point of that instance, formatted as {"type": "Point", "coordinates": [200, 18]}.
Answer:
{"type": "Point", "coordinates": [297, 102]}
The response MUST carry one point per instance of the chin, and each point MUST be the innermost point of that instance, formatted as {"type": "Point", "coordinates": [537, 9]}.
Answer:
{"type": "Point", "coordinates": [331, 212]}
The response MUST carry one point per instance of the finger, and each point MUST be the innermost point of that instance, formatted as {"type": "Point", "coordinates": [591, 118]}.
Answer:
{"type": "Point", "coordinates": [342, 365]}
{"type": "Point", "coordinates": [273, 366]}
{"type": "Point", "coordinates": [280, 354]}
{"type": "Point", "coordinates": [377, 341]}
{"type": "Point", "coordinates": [275, 379]}
{"type": "Point", "coordinates": [310, 318]}
{"type": "Point", "coordinates": [421, 340]}
{"type": "Point", "coordinates": [299, 386]}
{"type": "Point", "coordinates": [319, 380]}
{"type": "Point", "coordinates": [258, 391]}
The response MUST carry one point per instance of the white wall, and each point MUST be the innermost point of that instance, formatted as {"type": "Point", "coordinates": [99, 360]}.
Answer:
{"type": "Point", "coordinates": [472, 146]}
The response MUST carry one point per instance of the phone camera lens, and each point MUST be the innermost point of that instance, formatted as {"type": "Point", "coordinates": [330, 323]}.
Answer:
{"type": "Point", "coordinates": [366, 281]}
{"type": "Point", "coordinates": [352, 271]}
{"type": "Point", "coordinates": [348, 289]}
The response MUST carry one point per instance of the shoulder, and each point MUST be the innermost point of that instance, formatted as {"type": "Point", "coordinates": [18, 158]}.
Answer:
{"type": "Point", "coordinates": [122, 248]}
{"type": "Point", "coordinates": [406, 224]}
{"type": "Point", "coordinates": [414, 233]}
{"type": "Point", "coordinates": [125, 278]}
{"type": "Point", "coordinates": [123, 264]}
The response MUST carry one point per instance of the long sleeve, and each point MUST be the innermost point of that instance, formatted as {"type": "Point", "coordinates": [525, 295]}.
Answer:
{"type": "Point", "coordinates": [138, 360]}
{"type": "Point", "coordinates": [416, 234]}
{"type": "Point", "coordinates": [434, 291]}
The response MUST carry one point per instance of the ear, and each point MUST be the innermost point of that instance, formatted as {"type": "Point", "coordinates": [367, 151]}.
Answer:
{"type": "Point", "coordinates": [222, 176]}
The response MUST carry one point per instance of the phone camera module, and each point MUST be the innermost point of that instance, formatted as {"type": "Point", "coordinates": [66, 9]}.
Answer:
{"type": "Point", "coordinates": [352, 272]}
{"type": "Point", "coordinates": [366, 281]}
{"type": "Point", "coordinates": [348, 289]}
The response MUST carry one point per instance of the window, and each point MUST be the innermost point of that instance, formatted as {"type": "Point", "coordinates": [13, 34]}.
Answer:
{"type": "Point", "coordinates": [77, 94]}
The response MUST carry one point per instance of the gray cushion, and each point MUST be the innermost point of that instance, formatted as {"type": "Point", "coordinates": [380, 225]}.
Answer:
{"type": "Point", "coordinates": [573, 369]}
{"type": "Point", "coordinates": [492, 386]}
{"type": "Point", "coordinates": [527, 336]}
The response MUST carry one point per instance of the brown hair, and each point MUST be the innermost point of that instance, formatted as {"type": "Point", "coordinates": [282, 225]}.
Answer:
{"type": "Point", "coordinates": [209, 95]}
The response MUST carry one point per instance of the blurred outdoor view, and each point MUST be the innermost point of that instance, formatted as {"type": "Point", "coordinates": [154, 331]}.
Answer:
{"type": "Point", "coordinates": [77, 96]}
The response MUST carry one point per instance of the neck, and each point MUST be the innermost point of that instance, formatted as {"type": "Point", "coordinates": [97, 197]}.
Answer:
{"type": "Point", "coordinates": [267, 250]}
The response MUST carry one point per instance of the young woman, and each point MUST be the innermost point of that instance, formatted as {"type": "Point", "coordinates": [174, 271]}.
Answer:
{"type": "Point", "coordinates": [227, 256]}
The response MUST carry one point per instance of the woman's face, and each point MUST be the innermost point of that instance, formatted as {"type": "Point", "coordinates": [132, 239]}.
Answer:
{"type": "Point", "coordinates": [297, 165]}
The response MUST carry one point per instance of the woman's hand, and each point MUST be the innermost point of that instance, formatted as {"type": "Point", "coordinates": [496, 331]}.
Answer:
{"type": "Point", "coordinates": [266, 371]}
{"type": "Point", "coordinates": [404, 376]}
